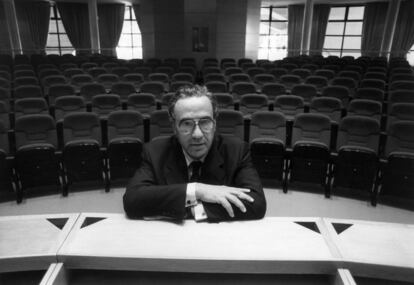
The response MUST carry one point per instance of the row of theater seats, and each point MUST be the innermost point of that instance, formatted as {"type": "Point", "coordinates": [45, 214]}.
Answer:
{"type": "Point", "coordinates": [307, 150]}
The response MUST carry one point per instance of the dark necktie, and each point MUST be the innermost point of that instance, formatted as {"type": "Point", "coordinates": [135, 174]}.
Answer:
{"type": "Point", "coordinates": [195, 174]}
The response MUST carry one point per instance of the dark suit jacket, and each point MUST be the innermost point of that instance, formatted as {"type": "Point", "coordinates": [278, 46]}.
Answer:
{"type": "Point", "coordinates": [159, 185]}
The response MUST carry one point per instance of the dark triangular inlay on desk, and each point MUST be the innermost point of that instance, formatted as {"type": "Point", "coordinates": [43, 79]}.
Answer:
{"type": "Point", "coordinates": [58, 222]}
{"type": "Point", "coordinates": [340, 228]}
{"type": "Point", "coordinates": [90, 221]}
{"type": "Point", "coordinates": [310, 225]}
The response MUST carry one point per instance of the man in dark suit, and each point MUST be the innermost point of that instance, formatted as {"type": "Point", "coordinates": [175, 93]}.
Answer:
{"type": "Point", "coordinates": [195, 172]}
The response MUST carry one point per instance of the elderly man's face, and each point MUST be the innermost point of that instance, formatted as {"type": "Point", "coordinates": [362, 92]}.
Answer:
{"type": "Point", "coordinates": [194, 125]}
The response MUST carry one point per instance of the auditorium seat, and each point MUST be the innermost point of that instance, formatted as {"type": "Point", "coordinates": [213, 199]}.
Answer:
{"type": "Point", "coordinates": [68, 73]}
{"type": "Point", "coordinates": [398, 171]}
{"type": "Point", "coordinates": [27, 91]}
{"type": "Point", "coordinates": [4, 114]}
{"type": "Point", "coordinates": [240, 88]}
{"type": "Point", "coordinates": [328, 106]}
{"type": "Point", "coordinates": [165, 99]}
{"type": "Point", "coordinates": [350, 74]}
{"type": "Point", "coordinates": [120, 71]}
{"type": "Point", "coordinates": [188, 69]}
{"type": "Point", "coordinates": [367, 108]}
{"type": "Point", "coordinates": [30, 106]}
{"type": "Point", "coordinates": [289, 81]}
{"type": "Point", "coordinates": [261, 79]}
{"type": "Point", "coordinates": [278, 72]}
{"type": "Point", "coordinates": [400, 112]}
{"type": "Point", "coordinates": [123, 89]}
{"type": "Point", "coordinates": [401, 76]}
{"type": "Point", "coordinates": [36, 161]}
{"type": "Point", "coordinates": [78, 80]}
{"type": "Point", "coordinates": [250, 103]}
{"type": "Point", "coordinates": [238, 77]}
{"type": "Point", "coordinates": [143, 70]}
{"type": "Point", "coordinates": [160, 124]}
{"type": "Point", "coordinates": [301, 72]}
{"type": "Point", "coordinates": [89, 90]}
{"type": "Point", "coordinates": [401, 85]}
{"type": "Point", "coordinates": [210, 70]}
{"type": "Point", "coordinates": [22, 66]}
{"type": "Point", "coordinates": [267, 139]}
{"type": "Point", "coordinates": [252, 72]}
{"type": "Point", "coordinates": [232, 70]}
{"type": "Point", "coordinates": [51, 80]}
{"type": "Point", "coordinates": [356, 163]}
{"type": "Point", "coordinates": [289, 105]}
{"type": "Point", "coordinates": [65, 66]}
{"type": "Point", "coordinates": [104, 104]}
{"type": "Point", "coordinates": [88, 65]}
{"type": "Point", "coordinates": [107, 80]}
{"type": "Point", "coordinates": [145, 103]}
{"type": "Point", "coordinates": [47, 72]}
{"type": "Point", "coordinates": [154, 87]}
{"type": "Point", "coordinates": [59, 90]}
{"type": "Point", "coordinates": [340, 92]}
{"type": "Point", "coordinates": [309, 160]}
{"type": "Point", "coordinates": [25, 80]}
{"type": "Point", "coordinates": [68, 104]}
{"type": "Point", "coordinates": [181, 76]}
{"type": "Point", "coordinates": [318, 81]}
{"type": "Point", "coordinates": [272, 90]}
{"type": "Point", "coordinates": [165, 69]}
{"type": "Point", "coordinates": [400, 96]}
{"type": "Point", "coordinates": [375, 75]}
{"type": "Point", "coordinates": [214, 77]}
{"type": "Point", "coordinates": [216, 86]}
{"type": "Point", "coordinates": [224, 101]}
{"type": "Point", "coordinates": [178, 84]}
{"type": "Point", "coordinates": [373, 83]}
{"type": "Point", "coordinates": [125, 139]}
{"type": "Point", "coordinates": [289, 66]}
{"type": "Point", "coordinates": [369, 93]}
{"type": "Point", "coordinates": [17, 73]}
{"type": "Point", "coordinates": [306, 91]}
{"type": "Point", "coordinates": [164, 78]}
{"type": "Point", "coordinates": [134, 78]}
{"type": "Point", "coordinates": [83, 159]}
{"type": "Point", "coordinates": [327, 73]}
{"type": "Point", "coordinates": [230, 123]}
{"type": "Point", "coordinates": [349, 83]}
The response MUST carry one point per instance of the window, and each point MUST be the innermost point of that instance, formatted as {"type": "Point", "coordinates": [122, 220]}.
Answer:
{"type": "Point", "coordinates": [344, 31]}
{"type": "Point", "coordinates": [273, 33]}
{"type": "Point", "coordinates": [410, 56]}
{"type": "Point", "coordinates": [130, 44]}
{"type": "Point", "coordinates": [57, 40]}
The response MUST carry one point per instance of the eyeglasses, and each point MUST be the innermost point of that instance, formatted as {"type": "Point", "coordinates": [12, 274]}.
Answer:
{"type": "Point", "coordinates": [187, 126]}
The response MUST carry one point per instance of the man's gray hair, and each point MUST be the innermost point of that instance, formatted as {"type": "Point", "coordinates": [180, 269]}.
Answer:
{"type": "Point", "coordinates": [189, 91]}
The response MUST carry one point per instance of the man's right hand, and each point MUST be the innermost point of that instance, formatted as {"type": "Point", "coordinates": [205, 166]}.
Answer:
{"type": "Point", "coordinates": [223, 195]}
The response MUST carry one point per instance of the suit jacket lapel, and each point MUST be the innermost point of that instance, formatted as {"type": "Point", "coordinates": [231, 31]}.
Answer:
{"type": "Point", "coordinates": [175, 167]}
{"type": "Point", "coordinates": [213, 170]}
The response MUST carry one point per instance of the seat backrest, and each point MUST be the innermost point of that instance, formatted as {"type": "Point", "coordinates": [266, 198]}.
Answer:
{"type": "Point", "coordinates": [239, 77]}
{"type": "Point", "coordinates": [358, 131]}
{"type": "Point", "coordinates": [81, 126]}
{"type": "Point", "coordinates": [301, 72]}
{"type": "Point", "coordinates": [214, 77]}
{"type": "Point", "coordinates": [241, 88]}
{"type": "Point", "coordinates": [35, 129]}
{"type": "Point", "coordinates": [370, 93]}
{"type": "Point", "coordinates": [27, 106]}
{"type": "Point", "coordinates": [224, 100]}
{"type": "Point", "coordinates": [306, 91]}
{"type": "Point", "coordinates": [272, 90]}
{"type": "Point", "coordinates": [278, 72]}
{"type": "Point", "coordinates": [25, 80]}
{"type": "Point", "coordinates": [375, 75]}
{"type": "Point", "coordinates": [153, 87]}
{"type": "Point", "coordinates": [158, 76]}
{"type": "Point", "coordinates": [340, 92]}
{"type": "Point", "coordinates": [27, 91]}
{"type": "Point", "coordinates": [363, 107]}
{"type": "Point", "coordinates": [250, 103]}
{"type": "Point", "coordinates": [216, 86]}
{"type": "Point", "coordinates": [125, 124]}
{"type": "Point", "coordinates": [268, 124]}
{"type": "Point", "coordinates": [5, 83]}
{"type": "Point", "coordinates": [400, 96]}
{"type": "Point", "coordinates": [373, 83]}
{"type": "Point", "coordinates": [68, 104]}
{"type": "Point", "coordinates": [123, 89]}
{"type": "Point", "coordinates": [105, 104]}
{"type": "Point", "coordinates": [329, 106]}
{"type": "Point", "coordinates": [400, 138]}
{"type": "Point", "coordinates": [327, 73]}
{"type": "Point", "coordinates": [182, 76]}
{"type": "Point", "coordinates": [96, 71]}
{"type": "Point", "coordinates": [289, 105]}
{"type": "Point", "coordinates": [311, 127]}
{"type": "Point", "coordinates": [230, 122]}
{"type": "Point", "coordinates": [400, 112]}
{"type": "Point", "coordinates": [4, 113]}
{"type": "Point", "coordinates": [350, 74]}
{"type": "Point", "coordinates": [178, 84]}
{"type": "Point", "coordinates": [88, 90]}
{"type": "Point", "coordinates": [145, 103]}
{"type": "Point", "coordinates": [160, 124]}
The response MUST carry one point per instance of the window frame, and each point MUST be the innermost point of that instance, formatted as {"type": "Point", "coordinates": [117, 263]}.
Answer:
{"type": "Point", "coordinates": [343, 35]}
{"type": "Point", "coordinates": [131, 35]}
{"type": "Point", "coordinates": [268, 34]}
{"type": "Point", "coordinates": [54, 18]}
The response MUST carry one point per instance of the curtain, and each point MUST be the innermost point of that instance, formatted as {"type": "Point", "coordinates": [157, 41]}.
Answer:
{"type": "Point", "coordinates": [111, 20]}
{"type": "Point", "coordinates": [5, 47]}
{"type": "Point", "coordinates": [295, 23]}
{"type": "Point", "coordinates": [319, 24]}
{"type": "Point", "coordinates": [404, 31]}
{"type": "Point", "coordinates": [75, 19]}
{"type": "Point", "coordinates": [33, 19]}
{"type": "Point", "coordinates": [137, 11]}
{"type": "Point", "coordinates": [373, 28]}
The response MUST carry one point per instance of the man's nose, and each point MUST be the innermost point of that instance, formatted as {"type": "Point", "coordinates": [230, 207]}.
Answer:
{"type": "Point", "coordinates": [197, 133]}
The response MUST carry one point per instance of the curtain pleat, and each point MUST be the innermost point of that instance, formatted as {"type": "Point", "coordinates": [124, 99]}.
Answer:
{"type": "Point", "coordinates": [319, 24]}
{"type": "Point", "coordinates": [75, 19]}
{"type": "Point", "coordinates": [373, 28]}
{"type": "Point", "coordinates": [295, 16]}
{"type": "Point", "coordinates": [404, 30]}
{"type": "Point", "coordinates": [33, 19]}
{"type": "Point", "coordinates": [137, 11]}
{"type": "Point", "coordinates": [111, 20]}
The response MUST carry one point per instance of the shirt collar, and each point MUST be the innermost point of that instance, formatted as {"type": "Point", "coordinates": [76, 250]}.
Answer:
{"type": "Point", "coordinates": [188, 159]}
